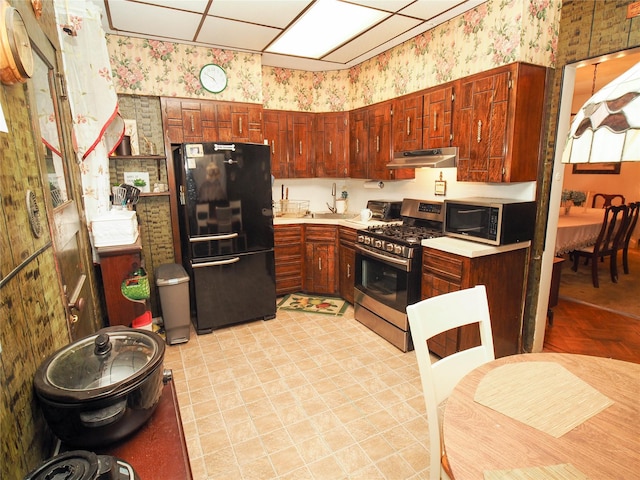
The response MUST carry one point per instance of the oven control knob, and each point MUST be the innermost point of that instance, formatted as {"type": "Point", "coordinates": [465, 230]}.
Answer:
{"type": "Point", "coordinates": [367, 240]}
{"type": "Point", "coordinates": [398, 250]}
{"type": "Point", "coordinates": [378, 244]}
{"type": "Point", "coordinates": [360, 238]}
{"type": "Point", "coordinates": [390, 247]}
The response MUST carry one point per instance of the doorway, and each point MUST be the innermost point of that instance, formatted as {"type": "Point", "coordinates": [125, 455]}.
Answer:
{"type": "Point", "coordinates": [580, 81]}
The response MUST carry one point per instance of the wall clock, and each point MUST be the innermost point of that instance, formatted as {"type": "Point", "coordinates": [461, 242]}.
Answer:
{"type": "Point", "coordinates": [16, 56]}
{"type": "Point", "coordinates": [213, 78]}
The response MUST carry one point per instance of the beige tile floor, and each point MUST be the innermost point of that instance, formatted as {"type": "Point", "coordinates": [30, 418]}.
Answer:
{"type": "Point", "coordinates": [302, 396]}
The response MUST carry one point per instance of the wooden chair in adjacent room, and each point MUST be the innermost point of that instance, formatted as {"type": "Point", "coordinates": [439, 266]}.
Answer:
{"type": "Point", "coordinates": [429, 318]}
{"type": "Point", "coordinates": [632, 221]}
{"type": "Point", "coordinates": [607, 199]}
{"type": "Point", "coordinates": [607, 244]}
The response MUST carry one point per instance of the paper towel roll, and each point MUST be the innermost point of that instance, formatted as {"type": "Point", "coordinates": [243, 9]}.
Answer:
{"type": "Point", "coordinates": [373, 184]}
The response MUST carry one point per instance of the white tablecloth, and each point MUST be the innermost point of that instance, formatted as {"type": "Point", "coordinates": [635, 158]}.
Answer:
{"type": "Point", "coordinates": [578, 229]}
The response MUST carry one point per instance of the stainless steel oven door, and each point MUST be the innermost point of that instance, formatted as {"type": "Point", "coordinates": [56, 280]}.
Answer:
{"type": "Point", "coordinates": [392, 281]}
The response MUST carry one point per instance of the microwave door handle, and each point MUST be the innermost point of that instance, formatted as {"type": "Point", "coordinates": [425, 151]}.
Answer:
{"type": "Point", "coordinates": [475, 210]}
{"type": "Point", "coordinates": [470, 229]}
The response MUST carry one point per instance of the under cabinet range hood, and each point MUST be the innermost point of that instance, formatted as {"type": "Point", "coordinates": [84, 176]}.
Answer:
{"type": "Point", "coordinates": [433, 158]}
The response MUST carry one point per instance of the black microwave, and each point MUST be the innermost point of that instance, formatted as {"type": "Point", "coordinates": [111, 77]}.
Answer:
{"type": "Point", "coordinates": [496, 221]}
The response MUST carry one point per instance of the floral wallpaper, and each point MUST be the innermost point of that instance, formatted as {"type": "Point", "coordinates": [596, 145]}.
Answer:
{"type": "Point", "coordinates": [165, 69]}
{"type": "Point", "coordinates": [495, 33]}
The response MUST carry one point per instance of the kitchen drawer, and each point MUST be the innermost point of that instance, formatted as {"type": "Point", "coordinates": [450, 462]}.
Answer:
{"type": "Point", "coordinates": [348, 235]}
{"type": "Point", "coordinates": [320, 233]}
{"type": "Point", "coordinates": [443, 264]}
{"type": "Point", "coordinates": [289, 251]}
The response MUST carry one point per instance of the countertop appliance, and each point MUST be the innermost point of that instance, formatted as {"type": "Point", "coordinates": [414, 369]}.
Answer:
{"type": "Point", "coordinates": [226, 228]}
{"type": "Point", "coordinates": [385, 210]}
{"type": "Point", "coordinates": [495, 221]}
{"type": "Point", "coordinates": [388, 272]}
{"type": "Point", "coordinates": [444, 157]}
{"type": "Point", "coordinates": [102, 388]}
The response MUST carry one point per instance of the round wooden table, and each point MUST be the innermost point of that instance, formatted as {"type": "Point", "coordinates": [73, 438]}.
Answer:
{"type": "Point", "coordinates": [577, 229]}
{"type": "Point", "coordinates": [606, 445]}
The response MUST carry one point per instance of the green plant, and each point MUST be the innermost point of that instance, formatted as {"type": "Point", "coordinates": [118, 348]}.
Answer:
{"type": "Point", "coordinates": [576, 196]}
{"type": "Point", "coordinates": [138, 182]}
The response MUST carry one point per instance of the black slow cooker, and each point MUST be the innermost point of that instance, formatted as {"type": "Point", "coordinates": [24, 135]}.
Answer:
{"type": "Point", "coordinates": [83, 465]}
{"type": "Point", "coordinates": [103, 387]}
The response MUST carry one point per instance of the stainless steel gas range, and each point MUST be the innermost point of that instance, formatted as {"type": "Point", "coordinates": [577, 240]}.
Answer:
{"type": "Point", "coordinates": [388, 269]}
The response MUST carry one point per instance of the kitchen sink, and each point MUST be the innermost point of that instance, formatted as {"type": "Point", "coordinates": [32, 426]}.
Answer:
{"type": "Point", "coordinates": [330, 215]}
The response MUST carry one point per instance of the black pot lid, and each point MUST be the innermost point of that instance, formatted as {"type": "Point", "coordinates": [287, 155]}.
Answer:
{"type": "Point", "coordinates": [112, 357]}
{"type": "Point", "coordinates": [82, 465]}
{"type": "Point", "coordinates": [75, 465]}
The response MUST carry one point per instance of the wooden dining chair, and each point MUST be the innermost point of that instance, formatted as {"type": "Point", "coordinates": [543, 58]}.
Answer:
{"type": "Point", "coordinates": [607, 244]}
{"type": "Point", "coordinates": [632, 221]}
{"type": "Point", "coordinates": [607, 199]}
{"type": "Point", "coordinates": [429, 318]}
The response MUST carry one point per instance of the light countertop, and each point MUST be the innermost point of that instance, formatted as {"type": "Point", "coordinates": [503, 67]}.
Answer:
{"type": "Point", "coordinates": [352, 222]}
{"type": "Point", "coordinates": [469, 249]}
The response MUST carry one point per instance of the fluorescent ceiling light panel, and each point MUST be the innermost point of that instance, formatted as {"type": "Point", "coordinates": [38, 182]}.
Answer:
{"type": "Point", "coordinates": [326, 25]}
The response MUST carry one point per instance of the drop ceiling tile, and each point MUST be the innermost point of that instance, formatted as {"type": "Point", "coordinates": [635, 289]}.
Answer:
{"type": "Point", "coordinates": [276, 13]}
{"type": "Point", "coordinates": [198, 6]}
{"type": "Point", "coordinates": [126, 17]}
{"type": "Point", "coordinates": [369, 40]}
{"type": "Point", "coordinates": [236, 35]}
{"type": "Point", "coordinates": [387, 5]}
{"type": "Point", "coordinates": [428, 9]}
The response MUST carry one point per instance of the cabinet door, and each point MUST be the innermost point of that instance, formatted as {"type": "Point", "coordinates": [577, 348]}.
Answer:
{"type": "Point", "coordinates": [483, 107]}
{"type": "Point", "coordinates": [275, 134]}
{"type": "Point", "coordinates": [300, 125]}
{"type": "Point", "coordinates": [288, 258]}
{"type": "Point", "coordinates": [358, 143]}
{"type": "Point", "coordinates": [190, 120]}
{"type": "Point", "coordinates": [347, 266]}
{"type": "Point", "coordinates": [407, 123]}
{"type": "Point", "coordinates": [239, 122]}
{"type": "Point", "coordinates": [320, 264]}
{"type": "Point", "coordinates": [330, 133]}
{"type": "Point", "coordinates": [438, 116]}
{"type": "Point", "coordinates": [379, 141]}
{"type": "Point", "coordinates": [321, 259]}
{"type": "Point", "coordinates": [498, 124]}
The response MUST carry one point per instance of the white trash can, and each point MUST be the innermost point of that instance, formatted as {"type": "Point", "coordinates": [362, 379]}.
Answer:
{"type": "Point", "coordinates": [173, 288]}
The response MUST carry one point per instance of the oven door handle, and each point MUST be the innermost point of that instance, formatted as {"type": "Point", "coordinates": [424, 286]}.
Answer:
{"type": "Point", "coordinates": [406, 263]}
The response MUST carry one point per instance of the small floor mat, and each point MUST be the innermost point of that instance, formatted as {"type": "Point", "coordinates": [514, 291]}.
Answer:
{"type": "Point", "coordinates": [299, 302]}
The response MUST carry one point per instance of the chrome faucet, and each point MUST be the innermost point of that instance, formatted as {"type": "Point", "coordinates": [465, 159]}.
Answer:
{"type": "Point", "coordinates": [333, 194]}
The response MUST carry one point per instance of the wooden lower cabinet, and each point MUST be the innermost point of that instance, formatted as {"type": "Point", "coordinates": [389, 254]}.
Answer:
{"type": "Point", "coordinates": [288, 255]}
{"type": "Point", "coordinates": [347, 254]}
{"type": "Point", "coordinates": [503, 276]}
{"type": "Point", "coordinates": [321, 246]}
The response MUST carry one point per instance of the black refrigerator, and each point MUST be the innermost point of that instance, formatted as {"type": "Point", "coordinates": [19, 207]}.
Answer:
{"type": "Point", "coordinates": [226, 229]}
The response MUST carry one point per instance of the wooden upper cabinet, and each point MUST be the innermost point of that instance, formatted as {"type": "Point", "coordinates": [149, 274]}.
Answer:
{"type": "Point", "coordinates": [437, 117]}
{"type": "Point", "coordinates": [498, 124]}
{"type": "Point", "coordinates": [330, 145]}
{"type": "Point", "coordinates": [238, 122]}
{"type": "Point", "coordinates": [275, 135]}
{"type": "Point", "coordinates": [299, 130]}
{"type": "Point", "coordinates": [358, 133]}
{"type": "Point", "coordinates": [407, 123]}
{"type": "Point", "coordinates": [380, 150]}
{"type": "Point", "coordinates": [189, 120]}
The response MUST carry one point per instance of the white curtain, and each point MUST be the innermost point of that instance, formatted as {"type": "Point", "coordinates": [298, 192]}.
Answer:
{"type": "Point", "coordinates": [92, 97]}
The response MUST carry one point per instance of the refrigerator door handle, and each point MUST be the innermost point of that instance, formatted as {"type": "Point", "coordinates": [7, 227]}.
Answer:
{"type": "Point", "coordinates": [209, 238]}
{"type": "Point", "coordinates": [217, 147]}
{"type": "Point", "coordinates": [216, 263]}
